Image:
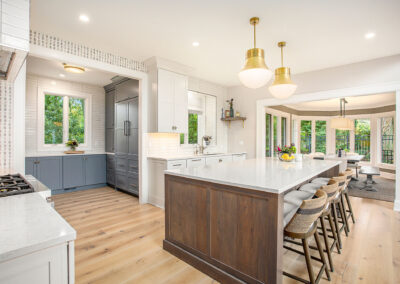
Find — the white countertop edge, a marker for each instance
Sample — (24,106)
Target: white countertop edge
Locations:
(188,156)
(258,188)
(58,154)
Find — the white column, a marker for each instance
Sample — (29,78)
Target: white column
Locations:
(352,139)
(278,131)
(397,150)
(313,140)
(375,141)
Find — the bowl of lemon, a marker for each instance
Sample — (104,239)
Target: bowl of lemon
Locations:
(286,157)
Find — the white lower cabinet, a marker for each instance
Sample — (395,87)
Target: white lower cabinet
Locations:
(50,265)
(157,167)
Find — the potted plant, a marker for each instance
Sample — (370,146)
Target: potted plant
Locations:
(286,153)
(72,144)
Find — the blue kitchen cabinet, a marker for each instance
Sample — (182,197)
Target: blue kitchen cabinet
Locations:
(47,170)
(95,169)
(73,171)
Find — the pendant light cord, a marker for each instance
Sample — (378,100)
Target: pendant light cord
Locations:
(282,56)
(255,35)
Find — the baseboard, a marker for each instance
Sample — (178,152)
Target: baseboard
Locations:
(396,205)
(388,175)
(66,190)
(156,201)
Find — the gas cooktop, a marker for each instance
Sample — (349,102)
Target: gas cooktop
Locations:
(14,184)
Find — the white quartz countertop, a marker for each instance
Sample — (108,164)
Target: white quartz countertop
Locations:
(28,223)
(53,154)
(171,157)
(264,174)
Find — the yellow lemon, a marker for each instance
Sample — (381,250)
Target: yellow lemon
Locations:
(285,156)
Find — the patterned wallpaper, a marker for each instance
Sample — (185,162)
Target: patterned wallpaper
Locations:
(6,125)
(55,43)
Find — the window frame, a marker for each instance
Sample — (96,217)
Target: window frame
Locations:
(41,112)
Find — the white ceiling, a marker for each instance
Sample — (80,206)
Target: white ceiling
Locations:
(53,69)
(319,34)
(361,102)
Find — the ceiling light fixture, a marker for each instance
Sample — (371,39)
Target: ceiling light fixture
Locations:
(369,35)
(342,122)
(283,86)
(61,75)
(255,72)
(196,43)
(84,18)
(73,69)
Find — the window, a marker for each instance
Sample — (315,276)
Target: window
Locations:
(53,119)
(283,131)
(342,139)
(268,135)
(275,129)
(63,118)
(193,128)
(387,140)
(320,136)
(362,138)
(305,136)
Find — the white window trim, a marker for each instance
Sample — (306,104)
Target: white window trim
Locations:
(42,147)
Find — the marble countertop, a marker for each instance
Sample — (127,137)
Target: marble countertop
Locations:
(28,223)
(53,154)
(172,157)
(264,174)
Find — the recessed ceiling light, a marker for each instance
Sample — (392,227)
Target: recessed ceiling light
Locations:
(53,83)
(62,75)
(84,18)
(195,43)
(73,69)
(369,35)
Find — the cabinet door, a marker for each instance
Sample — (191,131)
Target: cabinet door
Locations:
(121,118)
(180,104)
(110,109)
(49,171)
(73,171)
(30,166)
(219,159)
(95,169)
(166,90)
(110,140)
(197,162)
(126,90)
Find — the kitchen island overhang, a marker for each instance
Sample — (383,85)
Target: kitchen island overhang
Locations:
(226,219)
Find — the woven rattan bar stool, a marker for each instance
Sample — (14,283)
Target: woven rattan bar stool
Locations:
(303,226)
(337,207)
(348,173)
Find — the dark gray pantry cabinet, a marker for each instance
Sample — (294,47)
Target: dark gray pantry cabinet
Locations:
(61,173)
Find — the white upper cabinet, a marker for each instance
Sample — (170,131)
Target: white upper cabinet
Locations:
(172,102)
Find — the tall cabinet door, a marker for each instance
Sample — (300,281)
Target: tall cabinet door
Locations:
(166,89)
(121,118)
(133,126)
(180,104)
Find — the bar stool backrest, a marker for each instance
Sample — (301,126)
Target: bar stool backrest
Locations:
(307,214)
(341,179)
(348,173)
(331,189)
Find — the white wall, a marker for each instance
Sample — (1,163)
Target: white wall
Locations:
(31,114)
(383,70)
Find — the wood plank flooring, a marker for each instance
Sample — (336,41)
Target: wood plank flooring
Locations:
(120,241)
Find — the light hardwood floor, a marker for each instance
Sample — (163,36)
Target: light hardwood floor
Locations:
(120,241)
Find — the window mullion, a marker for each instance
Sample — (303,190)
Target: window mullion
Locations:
(66,119)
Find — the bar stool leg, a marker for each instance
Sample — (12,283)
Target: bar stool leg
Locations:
(346,194)
(321,253)
(308,261)
(343,216)
(327,247)
(335,238)
(335,218)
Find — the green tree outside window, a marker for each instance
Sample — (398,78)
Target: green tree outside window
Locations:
(53,119)
(77,120)
(193,128)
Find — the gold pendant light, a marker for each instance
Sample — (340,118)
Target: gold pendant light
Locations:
(342,122)
(255,72)
(283,86)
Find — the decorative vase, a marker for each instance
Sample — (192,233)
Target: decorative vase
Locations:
(290,158)
(231,112)
(72,148)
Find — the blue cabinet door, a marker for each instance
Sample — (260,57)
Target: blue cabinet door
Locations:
(49,172)
(95,169)
(73,171)
(30,166)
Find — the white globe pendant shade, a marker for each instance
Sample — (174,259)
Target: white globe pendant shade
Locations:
(282,91)
(342,123)
(255,78)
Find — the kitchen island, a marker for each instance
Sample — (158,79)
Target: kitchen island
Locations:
(226,219)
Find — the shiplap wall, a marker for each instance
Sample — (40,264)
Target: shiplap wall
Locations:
(31,122)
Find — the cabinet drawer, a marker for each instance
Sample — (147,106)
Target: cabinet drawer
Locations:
(121,164)
(219,159)
(238,157)
(133,183)
(110,162)
(178,164)
(121,180)
(197,162)
(133,166)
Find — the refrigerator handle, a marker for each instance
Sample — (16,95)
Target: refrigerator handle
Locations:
(125,128)
(128,128)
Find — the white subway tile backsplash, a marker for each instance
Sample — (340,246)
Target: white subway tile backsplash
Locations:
(6,125)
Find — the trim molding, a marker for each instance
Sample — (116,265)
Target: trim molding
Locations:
(396,205)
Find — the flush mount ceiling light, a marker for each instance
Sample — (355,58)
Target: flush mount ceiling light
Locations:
(342,122)
(196,43)
(73,69)
(84,18)
(283,86)
(61,75)
(369,35)
(255,72)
